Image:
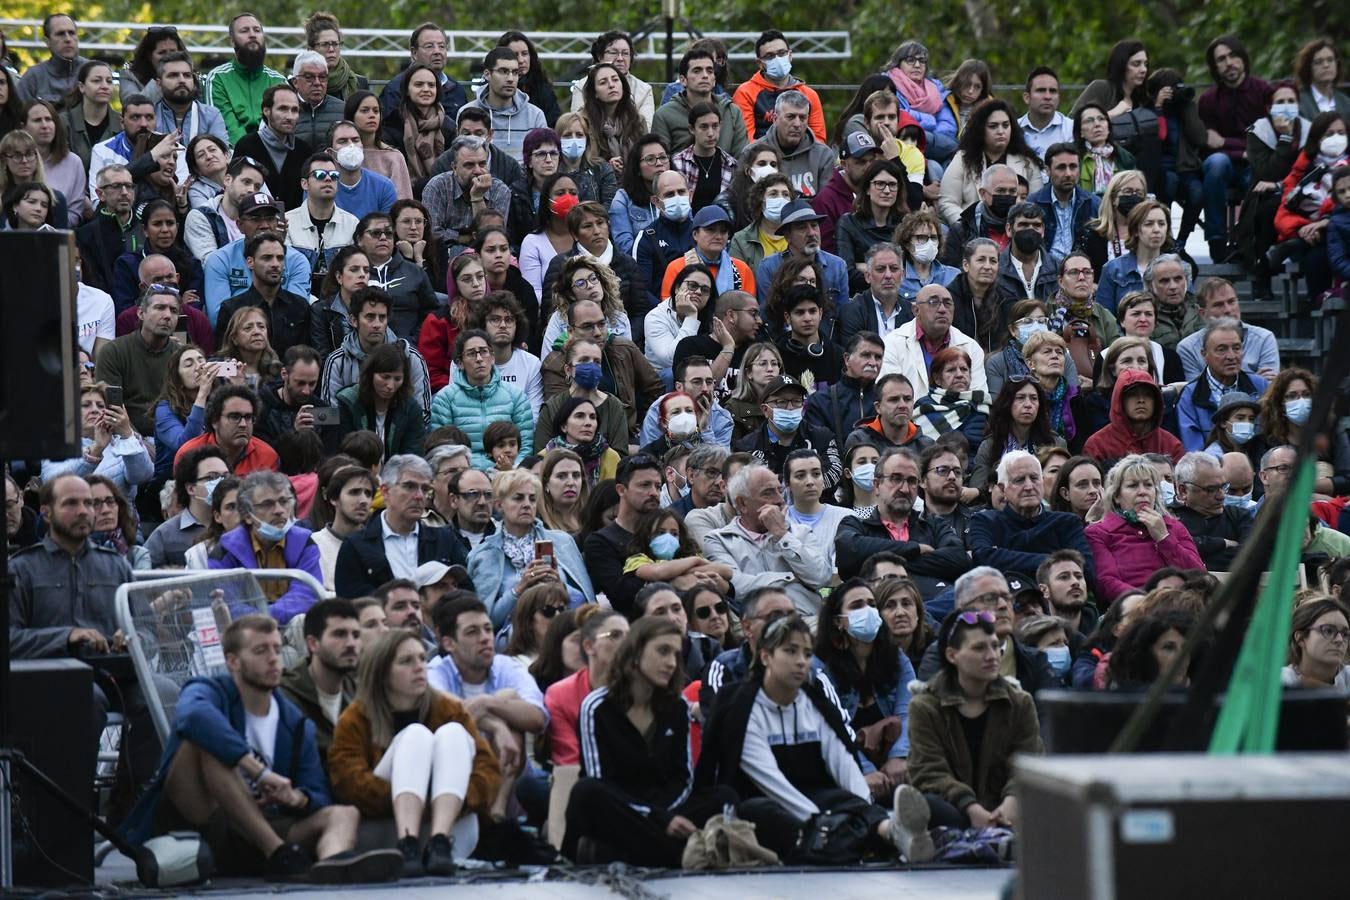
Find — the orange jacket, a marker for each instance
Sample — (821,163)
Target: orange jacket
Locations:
(755,100)
(353,757)
(677,264)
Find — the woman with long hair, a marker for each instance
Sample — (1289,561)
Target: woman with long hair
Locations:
(607,103)
(1123,88)
(382,402)
(1102,156)
(208,158)
(535,610)
(566,491)
(21,163)
(635,750)
(594,176)
(330,318)
(1104,238)
(138,74)
(632,209)
(29,206)
(709,616)
(542,159)
(414,238)
(857,487)
(686,312)
(180,412)
(601,631)
(362,109)
(114,526)
(764,205)
(901,605)
(493,246)
(1019,419)
(90,118)
(992,135)
(761,364)
(576,427)
(967,87)
(1146,648)
(601,509)
(63,169)
(1150,235)
(662,551)
(441,329)
(879,208)
(418,125)
(1318,637)
(1077,488)
(757,161)
(1308,199)
(534,81)
(870,673)
(246,339)
(224,500)
(1136,536)
(404,749)
(558,194)
(162,228)
(969,786)
(1285,409)
(11,101)
(323,35)
(584,277)
(560,654)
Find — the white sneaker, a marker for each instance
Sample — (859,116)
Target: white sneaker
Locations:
(909,825)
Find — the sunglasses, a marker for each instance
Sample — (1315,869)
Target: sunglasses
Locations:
(706,612)
(975,617)
(549,612)
(324,175)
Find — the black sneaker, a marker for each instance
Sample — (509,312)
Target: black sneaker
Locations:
(412,857)
(507,842)
(353,867)
(287,863)
(438,858)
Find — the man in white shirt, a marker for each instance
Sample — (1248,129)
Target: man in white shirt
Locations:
(909,347)
(349,493)
(1043,124)
(95,314)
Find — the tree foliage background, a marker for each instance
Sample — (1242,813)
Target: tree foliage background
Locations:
(1013,36)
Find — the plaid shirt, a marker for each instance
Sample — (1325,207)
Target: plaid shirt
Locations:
(683,162)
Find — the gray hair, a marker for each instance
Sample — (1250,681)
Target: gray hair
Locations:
(267,480)
(110,167)
(1164,259)
(307,58)
(975,244)
(466,141)
(987,177)
(903,452)
(1013,456)
(887,247)
(396,465)
(446,452)
(1224,324)
(965,585)
(738,488)
(707,456)
(794,99)
(1191,464)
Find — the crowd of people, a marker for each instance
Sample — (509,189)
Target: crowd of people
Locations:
(624,420)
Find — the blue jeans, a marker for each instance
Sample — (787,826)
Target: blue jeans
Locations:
(1220,174)
(940,147)
(1188,190)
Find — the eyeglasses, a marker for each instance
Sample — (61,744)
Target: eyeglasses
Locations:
(895,480)
(501,320)
(326,45)
(504,72)
(720,608)
(112,501)
(271,504)
(474,496)
(1282,468)
(938,303)
(117,186)
(477,352)
(886,187)
(945,471)
(1213,490)
(313,76)
(991,599)
(1078,273)
(711,472)
(693,287)
(324,175)
(549,612)
(590,280)
(619,54)
(238,418)
(653,159)
(26,156)
(598,325)
(1330,632)
(916,60)
(378,233)
(920,239)
(1033,320)
(786,404)
(546,154)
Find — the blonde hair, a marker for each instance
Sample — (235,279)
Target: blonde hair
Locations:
(566,120)
(372,685)
(514,480)
(1039,340)
(1136,465)
(1105,224)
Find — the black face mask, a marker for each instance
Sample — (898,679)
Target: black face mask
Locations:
(1127,203)
(1026,241)
(1001,204)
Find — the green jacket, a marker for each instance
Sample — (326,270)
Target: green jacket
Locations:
(746,246)
(1173,324)
(298,686)
(404,427)
(237,92)
(671,123)
(939,759)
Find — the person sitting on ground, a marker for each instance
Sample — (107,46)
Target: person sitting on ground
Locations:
(408,750)
(601,632)
(636,800)
(321,684)
(234,735)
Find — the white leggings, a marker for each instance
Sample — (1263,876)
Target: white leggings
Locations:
(417,758)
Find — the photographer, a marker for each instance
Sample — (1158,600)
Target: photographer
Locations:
(1183,147)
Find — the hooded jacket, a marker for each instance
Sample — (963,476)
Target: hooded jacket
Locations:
(809,165)
(671,124)
(1126,555)
(474,407)
(1118,439)
(512,122)
(342,369)
(755,99)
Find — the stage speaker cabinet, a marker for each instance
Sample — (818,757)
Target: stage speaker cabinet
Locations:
(1182,826)
(51,705)
(39,400)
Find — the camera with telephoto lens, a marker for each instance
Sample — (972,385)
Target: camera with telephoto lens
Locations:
(1183,93)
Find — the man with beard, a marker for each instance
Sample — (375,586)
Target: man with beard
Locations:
(236,87)
(288,404)
(394,543)
(1063,582)
(852,398)
(934,554)
(471,491)
(234,736)
(230,414)
(799,225)
(215,224)
(179,110)
(350,493)
(275,144)
(226,272)
(317,227)
(195,478)
(638,483)
(943,475)
(287,313)
(323,684)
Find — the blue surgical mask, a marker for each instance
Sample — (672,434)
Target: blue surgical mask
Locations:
(865,476)
(773,208)
(273,534)
(1241,432)
(1168,492)
(1241,501)
(209,486)
(1284,111)
(1026,331)
(1058,657)
(664,546)
(573,148)
(864,623)
(778,68)
(787,420)
(587,375)
(1298,410)
(676,208)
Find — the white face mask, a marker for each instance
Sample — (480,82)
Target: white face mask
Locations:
(925,252)
(351,157)
(682,425)
(759,170)
(1333,145)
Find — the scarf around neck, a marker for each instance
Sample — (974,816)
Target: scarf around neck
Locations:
(342,81)
(1105,168)
(922,95)
(590,453)
(423,140)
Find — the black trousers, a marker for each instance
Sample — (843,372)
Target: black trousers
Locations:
(780,830)
(599,810)
(942,814)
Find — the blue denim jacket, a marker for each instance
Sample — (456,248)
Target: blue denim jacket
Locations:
(494,577)
(894,702)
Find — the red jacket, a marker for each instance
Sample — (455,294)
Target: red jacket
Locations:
(436,343)
(1118,440)
(1126,555)
(1289,221)
(563,702)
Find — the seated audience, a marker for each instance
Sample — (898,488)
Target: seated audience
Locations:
(601,633)
(382,402)
(1318,637)
(1136,425)
(1019,419)
(661,551)
(323,684)
(952,404)
(1217,527)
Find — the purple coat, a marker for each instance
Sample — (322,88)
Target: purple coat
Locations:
(235,551)
(1125,555)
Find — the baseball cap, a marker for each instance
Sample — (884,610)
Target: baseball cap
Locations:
(779,385)
(858,143)
(259,200)
(711,215)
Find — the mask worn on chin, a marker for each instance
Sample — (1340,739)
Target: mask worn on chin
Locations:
(773,208)
(787,420)
(863,624)
(1026,241)
(865,476)
(925,252)
(1298,410)
(682,425)
(561,206)
(1000,205)
(1333,145)
(1127,203)
(573,148)
(1058,658)
(759,172)
(1241,432)
(351,157)
(778,68)
(273,533)
(587,375)
(676,208)
(664,546)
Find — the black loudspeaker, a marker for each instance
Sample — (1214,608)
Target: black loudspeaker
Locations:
(51,704)
(39,400)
